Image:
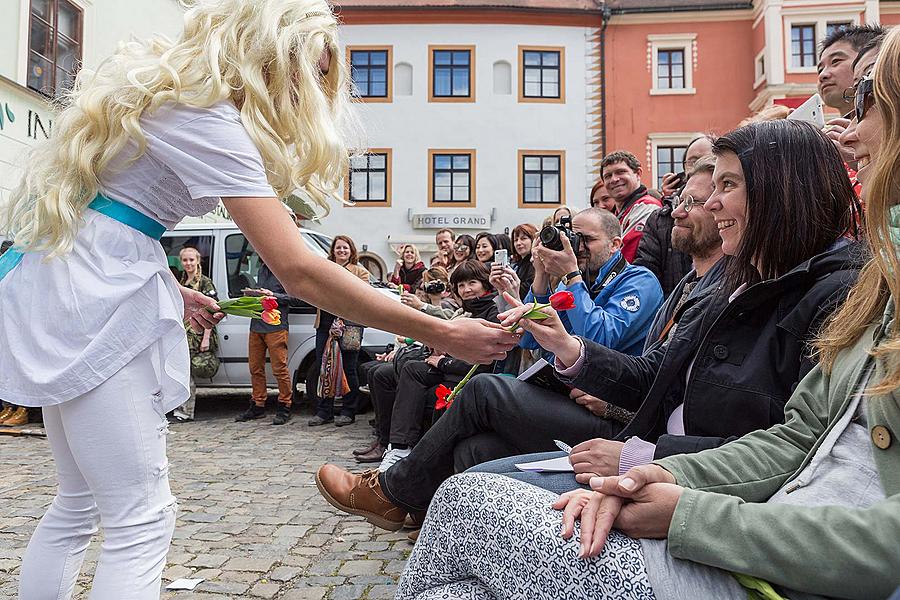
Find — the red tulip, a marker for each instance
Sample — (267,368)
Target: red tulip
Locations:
(269,303)
(271,317)
(563,300)
(442,392)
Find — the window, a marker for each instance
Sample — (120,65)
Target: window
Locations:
(369,180)
(670,70)
(832,27)
(803,45)
(54,45)
(242,266)
(174,244)
(370,68)
(451,176)
(541,178)
(541,74)
(669,159)
(759,68)
(670,62)
(451,74)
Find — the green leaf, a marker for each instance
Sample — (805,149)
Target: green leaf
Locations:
(757,589)
(536,315)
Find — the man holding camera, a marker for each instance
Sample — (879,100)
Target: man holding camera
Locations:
(615,302)
(622,175)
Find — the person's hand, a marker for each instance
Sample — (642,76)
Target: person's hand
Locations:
(265,292)
(204,346)
(648,509)
(504,279)
(833,130)
(597,513)
(670,184)
(633,481)
(434,360)
(595,457)
(475,340)
(592,403)
(195,313)
(386,356)
(549,333)
(557,262)
(411,300)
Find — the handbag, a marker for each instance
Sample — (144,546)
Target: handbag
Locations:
(351,340)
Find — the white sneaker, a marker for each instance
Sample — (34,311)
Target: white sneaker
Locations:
(392,456)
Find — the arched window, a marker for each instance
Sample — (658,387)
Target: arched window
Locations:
(502,78)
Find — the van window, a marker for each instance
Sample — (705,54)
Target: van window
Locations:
(173,245)
(241,264)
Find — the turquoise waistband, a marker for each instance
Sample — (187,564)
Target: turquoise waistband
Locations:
(106,206)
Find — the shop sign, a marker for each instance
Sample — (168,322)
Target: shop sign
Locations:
(452,220)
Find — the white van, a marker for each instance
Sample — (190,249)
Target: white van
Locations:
(232,263)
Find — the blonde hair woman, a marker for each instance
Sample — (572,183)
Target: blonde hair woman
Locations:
(408,268)
(247,105)
(201,346)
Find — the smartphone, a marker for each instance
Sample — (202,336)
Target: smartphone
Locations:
(501,257)
(811,111)
(679,179)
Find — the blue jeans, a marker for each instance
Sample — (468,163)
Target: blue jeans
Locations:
(558,483)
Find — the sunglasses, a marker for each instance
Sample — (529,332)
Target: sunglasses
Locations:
(861,96)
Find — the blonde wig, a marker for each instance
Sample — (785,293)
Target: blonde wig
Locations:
(879,280)
(263,55)
(192,281)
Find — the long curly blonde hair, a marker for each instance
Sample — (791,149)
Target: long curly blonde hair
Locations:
(263,55)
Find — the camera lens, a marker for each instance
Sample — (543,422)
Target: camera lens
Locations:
(550,238)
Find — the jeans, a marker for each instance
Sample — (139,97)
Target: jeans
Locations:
(493,417)
(558,483)
(383,389)
(277,345)
(350,359)
(109,446)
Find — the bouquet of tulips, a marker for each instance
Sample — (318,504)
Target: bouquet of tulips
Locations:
(255,307)
(560,301)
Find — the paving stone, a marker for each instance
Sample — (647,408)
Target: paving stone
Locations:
(223,587)
(382,592)
(265,590)
(176,572)
(284,573)
(207,561)
(361,567)
(306,593)
(259,565)
(348,592)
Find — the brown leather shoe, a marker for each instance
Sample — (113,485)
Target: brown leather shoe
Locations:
(361,451)
(359,494)
(373,456)
(7,410)
(19,417)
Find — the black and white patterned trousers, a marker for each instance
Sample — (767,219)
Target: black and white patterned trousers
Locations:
(491,537)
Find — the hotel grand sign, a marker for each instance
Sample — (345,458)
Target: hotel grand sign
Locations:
(451,220)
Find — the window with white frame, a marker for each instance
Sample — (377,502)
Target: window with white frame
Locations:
(759,68)
(805,30)
(671,63)
(666,153)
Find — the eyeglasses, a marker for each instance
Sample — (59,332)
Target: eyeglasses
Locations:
(861,96)
(689,202)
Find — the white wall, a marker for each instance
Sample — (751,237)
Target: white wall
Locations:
(497,126)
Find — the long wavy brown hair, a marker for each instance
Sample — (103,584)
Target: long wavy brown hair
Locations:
(879,280)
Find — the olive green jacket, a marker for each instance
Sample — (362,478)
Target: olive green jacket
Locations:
(723,521)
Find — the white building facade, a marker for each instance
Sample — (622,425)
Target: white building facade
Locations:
(41,41)
(475,126)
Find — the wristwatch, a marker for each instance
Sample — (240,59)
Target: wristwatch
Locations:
(570,276)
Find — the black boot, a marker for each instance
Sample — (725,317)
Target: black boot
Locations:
(253,412)
(282,414)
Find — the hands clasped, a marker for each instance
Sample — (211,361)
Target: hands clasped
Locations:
(640,504)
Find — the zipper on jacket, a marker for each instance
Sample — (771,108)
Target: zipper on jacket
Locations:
(794,487)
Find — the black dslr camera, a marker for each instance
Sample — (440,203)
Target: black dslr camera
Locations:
(551,236)
(435,286)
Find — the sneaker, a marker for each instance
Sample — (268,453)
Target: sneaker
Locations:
(393,456)
(282,415)
(365,389)
(341,420)
(252,413)
(317,420)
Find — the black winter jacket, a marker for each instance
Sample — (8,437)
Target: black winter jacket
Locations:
(656,253)
(748,356)
(485,308)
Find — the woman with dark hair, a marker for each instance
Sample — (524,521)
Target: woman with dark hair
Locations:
(485,246)
(523,237)
(463,250)
(470,283)
(343,252)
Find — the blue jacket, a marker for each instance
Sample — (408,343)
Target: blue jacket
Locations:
(621,314)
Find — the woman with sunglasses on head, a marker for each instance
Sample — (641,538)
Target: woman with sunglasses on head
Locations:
(463,250)
(811,505)
(245,106)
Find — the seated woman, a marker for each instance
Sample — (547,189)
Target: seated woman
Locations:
(408,269)
(811,505)
(400,414)
(732,356)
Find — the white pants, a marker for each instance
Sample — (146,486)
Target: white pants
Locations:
(109,446)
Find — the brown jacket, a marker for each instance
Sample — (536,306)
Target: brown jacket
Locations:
(358,270)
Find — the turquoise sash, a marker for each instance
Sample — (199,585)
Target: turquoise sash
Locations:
(112,209)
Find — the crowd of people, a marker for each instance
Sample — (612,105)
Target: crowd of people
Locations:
(713,410)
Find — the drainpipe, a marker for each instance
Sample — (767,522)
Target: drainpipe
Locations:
(605,16)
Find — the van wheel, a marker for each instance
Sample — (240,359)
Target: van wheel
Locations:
(297,397)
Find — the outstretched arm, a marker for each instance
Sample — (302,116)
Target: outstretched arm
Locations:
(326,285)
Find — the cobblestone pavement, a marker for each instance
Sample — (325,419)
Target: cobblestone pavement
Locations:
(251,522)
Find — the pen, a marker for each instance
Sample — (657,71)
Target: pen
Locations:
(563,446)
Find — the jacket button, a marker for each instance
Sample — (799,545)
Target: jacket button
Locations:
(881,437)
(720,352)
